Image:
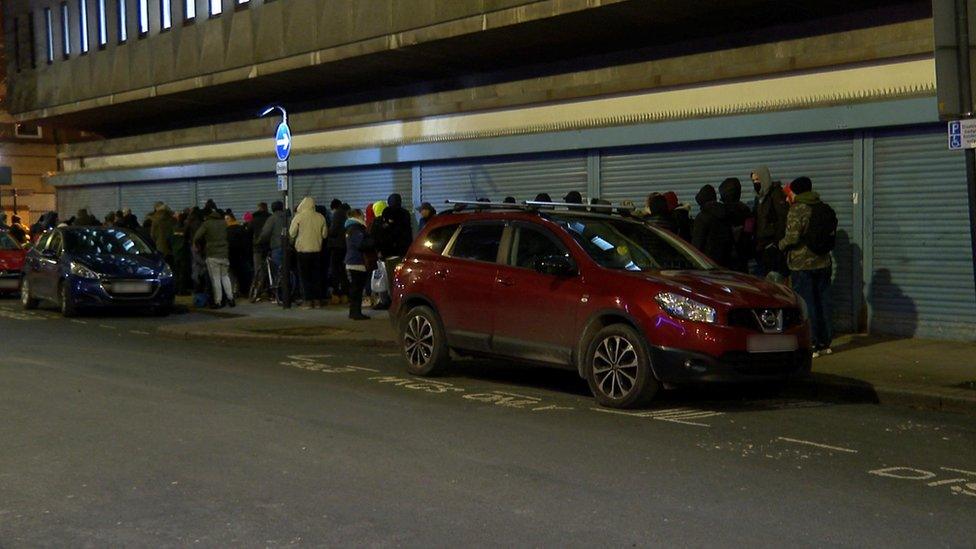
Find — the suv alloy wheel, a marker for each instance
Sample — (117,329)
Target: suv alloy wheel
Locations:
(618,368)
(424,345)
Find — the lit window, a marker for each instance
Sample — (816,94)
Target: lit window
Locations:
(102,30)
(123,32)
(65,34)
(165,14)
(49,37)
(190,9)
(83,24)
(215,8)
(143,6)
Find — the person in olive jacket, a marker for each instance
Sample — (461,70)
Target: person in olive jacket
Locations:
(770,211)
(212,237)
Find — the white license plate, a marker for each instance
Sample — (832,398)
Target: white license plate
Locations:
(9,284)
(131,288)
(767,343)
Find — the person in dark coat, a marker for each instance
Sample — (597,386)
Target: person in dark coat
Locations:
(85,219)
(259,250)
(680,214)
(739,216)
(397,229)
(239,244)
(335,243)
(426,211)
(712,231)
(770,211)
(356,262)
(658,213)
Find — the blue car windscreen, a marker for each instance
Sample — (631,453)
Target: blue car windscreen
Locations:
(106,242)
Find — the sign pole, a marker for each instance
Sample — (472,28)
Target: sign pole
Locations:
(283,151)
(966,102)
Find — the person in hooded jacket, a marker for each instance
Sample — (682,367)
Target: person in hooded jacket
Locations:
(240,243)
(212,237)
(680,214)
(356,262)
(335,243)
(308,230)
(397,227)
(271,237)
(161,229)
(259,251)
(810,272)
(730,190)
(657,213)
(770,212)
(712,230)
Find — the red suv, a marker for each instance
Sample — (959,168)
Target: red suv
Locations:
(627,305)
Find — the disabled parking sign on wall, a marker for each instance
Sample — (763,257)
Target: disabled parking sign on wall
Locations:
(962,134)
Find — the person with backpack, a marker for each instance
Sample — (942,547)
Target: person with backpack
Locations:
(811,234)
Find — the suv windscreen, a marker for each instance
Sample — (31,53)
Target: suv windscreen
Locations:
(627,245)
(105,241)
(478,242)
(7,243)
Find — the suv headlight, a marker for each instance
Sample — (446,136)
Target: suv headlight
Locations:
(685,308)
(78,269)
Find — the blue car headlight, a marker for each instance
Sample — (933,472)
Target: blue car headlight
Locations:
(685,308)
(166,272)
(78,269)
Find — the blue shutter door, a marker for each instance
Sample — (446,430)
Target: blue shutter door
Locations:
(632,174)
(497,178)
(354,187)
(922,273)
(99,200)
(141,197)
(241,193)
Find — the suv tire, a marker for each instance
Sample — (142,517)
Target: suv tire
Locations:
(423,342)
(618,368)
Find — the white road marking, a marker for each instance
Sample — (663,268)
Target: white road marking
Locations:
(76,321)
(947,481)
(818,445)
(387,355)
(672,415)
(963,471)
(139,332)
(107,327)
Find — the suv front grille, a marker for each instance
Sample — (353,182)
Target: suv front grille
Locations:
(748,318)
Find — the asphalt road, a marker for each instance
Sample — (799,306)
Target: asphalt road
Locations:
(112,435)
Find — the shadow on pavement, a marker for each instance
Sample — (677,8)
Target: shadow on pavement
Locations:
(819,390)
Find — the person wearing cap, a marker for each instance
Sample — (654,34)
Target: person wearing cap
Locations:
(543,197)
(574,197)
(427,211)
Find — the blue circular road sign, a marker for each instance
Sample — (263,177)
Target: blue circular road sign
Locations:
(283,142)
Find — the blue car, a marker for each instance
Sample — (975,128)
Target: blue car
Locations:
(86,268)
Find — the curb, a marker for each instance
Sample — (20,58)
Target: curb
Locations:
(861,391)
(179,332)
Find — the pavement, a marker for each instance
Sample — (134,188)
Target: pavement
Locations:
(114,435)
(938,375)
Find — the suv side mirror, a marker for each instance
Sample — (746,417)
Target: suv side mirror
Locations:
(557,265)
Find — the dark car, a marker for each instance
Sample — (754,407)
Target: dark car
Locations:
(82,268)
(629,306)
(11,264)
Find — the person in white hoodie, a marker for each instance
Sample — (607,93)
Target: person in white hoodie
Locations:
(308,230)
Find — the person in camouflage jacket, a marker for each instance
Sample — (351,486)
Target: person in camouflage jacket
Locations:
(810,273)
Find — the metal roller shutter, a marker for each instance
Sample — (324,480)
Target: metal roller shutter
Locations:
(99,200)
(829,162)
(240,193)
(354,187)
(496,179)
(141,197)
(922,271)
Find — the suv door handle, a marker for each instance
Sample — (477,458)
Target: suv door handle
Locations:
(504,281)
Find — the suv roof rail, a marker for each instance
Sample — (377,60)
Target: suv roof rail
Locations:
(534,205)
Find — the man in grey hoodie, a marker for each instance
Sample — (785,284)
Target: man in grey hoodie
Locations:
(770,211)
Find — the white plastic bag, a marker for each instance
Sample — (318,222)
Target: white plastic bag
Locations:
(380,281)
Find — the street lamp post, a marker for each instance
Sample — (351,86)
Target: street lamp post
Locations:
(283,149)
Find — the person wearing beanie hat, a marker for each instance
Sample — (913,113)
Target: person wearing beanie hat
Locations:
(712,231)
(730,191)
(811,228)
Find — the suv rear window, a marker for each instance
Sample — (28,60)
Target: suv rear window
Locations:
(478,242)
(437,239)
